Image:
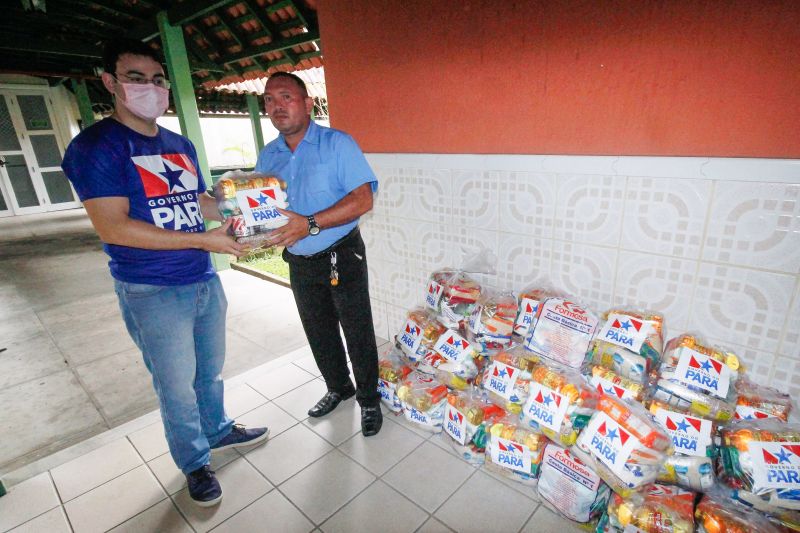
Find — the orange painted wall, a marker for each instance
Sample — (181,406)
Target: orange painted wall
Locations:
(636,77)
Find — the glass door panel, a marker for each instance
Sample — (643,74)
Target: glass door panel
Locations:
(58,187)
(21,181)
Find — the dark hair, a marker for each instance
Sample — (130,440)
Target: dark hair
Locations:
(118,47)
(295,78)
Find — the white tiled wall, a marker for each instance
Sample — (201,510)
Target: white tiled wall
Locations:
(712,243)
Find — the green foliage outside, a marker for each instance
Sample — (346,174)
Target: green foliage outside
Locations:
(269,261)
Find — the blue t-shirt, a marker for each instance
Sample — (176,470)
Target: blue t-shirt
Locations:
(325,167)
(160,178)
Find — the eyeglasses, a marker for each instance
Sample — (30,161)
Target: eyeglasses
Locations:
(158,81)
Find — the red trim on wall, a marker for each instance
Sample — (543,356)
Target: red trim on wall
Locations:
(630,77)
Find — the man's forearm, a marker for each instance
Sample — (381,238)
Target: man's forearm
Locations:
(349,208)
(138,234)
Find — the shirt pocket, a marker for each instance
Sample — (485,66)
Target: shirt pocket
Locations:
(320,181)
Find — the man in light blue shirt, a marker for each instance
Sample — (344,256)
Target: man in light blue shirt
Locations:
(329,186)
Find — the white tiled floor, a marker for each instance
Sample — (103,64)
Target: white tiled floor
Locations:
(311,475)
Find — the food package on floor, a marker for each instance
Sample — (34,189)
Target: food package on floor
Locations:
(434,290)
(465,419)
(607,381)
(691,400)
(788,519)
(454,359)
(692,465)
(514,450)
(423,400)
(762,457)
(629,342)
(491,324)
(758,401)
(693,362)
(250,199)
(569,487)
(506,378)
(562,332)
(419,334)
(528,306)
(392,369)
(664,509)
(560,402)
(460,295)
(717,513)
(623,445)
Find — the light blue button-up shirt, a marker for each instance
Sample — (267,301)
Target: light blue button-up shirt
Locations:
(324,168)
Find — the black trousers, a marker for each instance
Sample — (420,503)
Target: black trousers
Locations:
(323,307)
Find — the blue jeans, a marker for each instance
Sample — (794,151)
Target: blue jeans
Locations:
(181,333)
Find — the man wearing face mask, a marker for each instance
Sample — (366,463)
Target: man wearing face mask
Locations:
(142,189)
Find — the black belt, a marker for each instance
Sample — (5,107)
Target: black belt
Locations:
(332,248)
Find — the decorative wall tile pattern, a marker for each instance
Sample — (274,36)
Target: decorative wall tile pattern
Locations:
(714,244)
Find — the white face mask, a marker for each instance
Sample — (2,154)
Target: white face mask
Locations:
(145,100)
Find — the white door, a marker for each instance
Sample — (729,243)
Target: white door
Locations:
(32,179)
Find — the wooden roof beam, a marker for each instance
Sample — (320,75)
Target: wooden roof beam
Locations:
(178,15)
(275,46)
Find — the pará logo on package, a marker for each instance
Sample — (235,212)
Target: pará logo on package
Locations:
(609,442)
(259,206)
(776,465)
(545,406)
(625,331)
(502,379)
(433,295)
(452,346)
(700,370)
(510,454)
(456,425)
(410,339)
(690,435)
(527,312)
(604,386)
(745,412)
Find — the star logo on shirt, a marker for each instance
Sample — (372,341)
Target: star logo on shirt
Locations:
(173,176)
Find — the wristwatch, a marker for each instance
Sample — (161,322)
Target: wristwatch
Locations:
(313,227)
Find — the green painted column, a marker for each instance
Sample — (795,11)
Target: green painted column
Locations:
(84,103)
(255,120)
(186,104)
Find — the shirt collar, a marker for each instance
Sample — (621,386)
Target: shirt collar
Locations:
(311,137)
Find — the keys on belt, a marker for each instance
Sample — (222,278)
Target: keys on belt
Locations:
(334,270)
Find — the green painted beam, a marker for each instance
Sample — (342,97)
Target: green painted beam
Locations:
(186,104)
(255,121)
(84,103)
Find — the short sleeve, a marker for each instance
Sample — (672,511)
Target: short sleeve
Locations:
(94,169)
(354,170)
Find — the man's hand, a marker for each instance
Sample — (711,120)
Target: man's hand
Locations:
(217,240)
(287,235)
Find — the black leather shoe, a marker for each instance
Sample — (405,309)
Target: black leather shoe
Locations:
(371,420)
(328,403)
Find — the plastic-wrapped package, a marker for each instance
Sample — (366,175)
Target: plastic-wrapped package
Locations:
(562,332)
(454,359)
(623,445)
(419,334)
(423,400)
(560,402)
(762,457)
(717,513)
(692,465)
(528,306)
(465,419)
(606,381)
(391,370)
(507,376)
(569,487)
(664,510)
(491,324)
(435,288)
(514,450)
(692,401)
(250,200)
(758,401)
(692,362)
(460,295)
(629,342)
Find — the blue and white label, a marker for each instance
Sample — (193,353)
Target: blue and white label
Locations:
(455,424)
(625,331)
(745,412)
(452,346)
(700,370)
(690,435)
(776,465)
(609,442)
(388,396)
(510,454)
(605,386)
(526,315)
(546,407)
(410,339)
(433,295)
(259,206)
(501,379)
